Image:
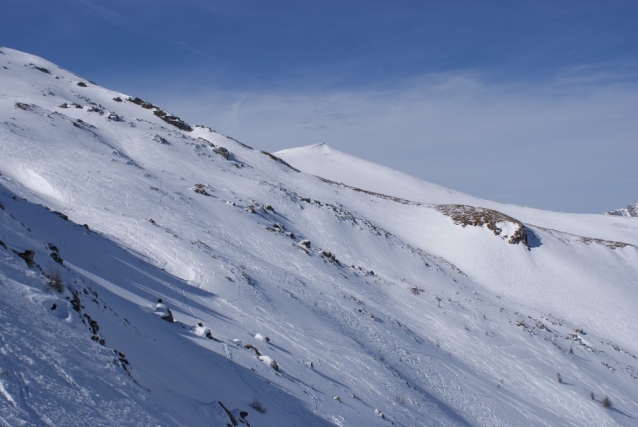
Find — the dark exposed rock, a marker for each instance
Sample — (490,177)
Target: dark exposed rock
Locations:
(279,160)
(519,236)
(98,110)
(28,256)
(124,363)
(222,152)
(61,215)
(169,317)
(201,189)
(82,84)
(305,243)
(629,211)
(95,328)
(168,118)
(477,217)
(24,107)
(141,103)
(173,120)
(372,193)
(161,140)
(253,348)
(231,417)
(240,143)
(42,69)
(330,257)
(75,302)
(57,258)
(609,244)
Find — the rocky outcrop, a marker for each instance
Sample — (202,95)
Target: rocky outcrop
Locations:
(168,118)
(630,211)
(222,152)
(28,257)
(478,217)
(279,160)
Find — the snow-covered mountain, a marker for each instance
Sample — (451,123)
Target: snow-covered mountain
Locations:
(359,297)
(629,211)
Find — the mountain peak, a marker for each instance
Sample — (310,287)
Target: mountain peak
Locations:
(154,273)
(631,211)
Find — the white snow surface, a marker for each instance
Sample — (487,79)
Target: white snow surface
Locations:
(398,305)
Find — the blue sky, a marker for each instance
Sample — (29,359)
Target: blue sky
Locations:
(526,102)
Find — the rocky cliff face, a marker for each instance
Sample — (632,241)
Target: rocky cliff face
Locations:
(500,224)
(629,211)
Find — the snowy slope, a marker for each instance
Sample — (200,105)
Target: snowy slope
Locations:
(327,162)
(548,275)
(377,310)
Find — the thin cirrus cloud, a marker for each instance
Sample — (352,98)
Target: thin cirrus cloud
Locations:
(117,19)
(573,137)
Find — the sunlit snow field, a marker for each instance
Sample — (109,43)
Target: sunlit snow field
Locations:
(350,300)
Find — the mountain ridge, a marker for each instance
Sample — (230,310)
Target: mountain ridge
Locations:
(327,305)
(630,211)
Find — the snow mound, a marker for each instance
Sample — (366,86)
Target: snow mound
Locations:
(327,162)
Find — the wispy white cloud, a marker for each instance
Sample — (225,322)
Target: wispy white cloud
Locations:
(564,144)
(111,16)
(609,72)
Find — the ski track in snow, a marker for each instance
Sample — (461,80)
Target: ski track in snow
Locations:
(425,320)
